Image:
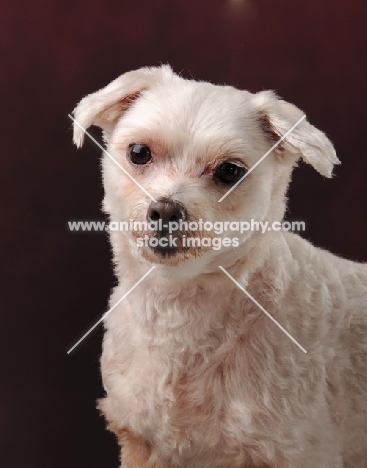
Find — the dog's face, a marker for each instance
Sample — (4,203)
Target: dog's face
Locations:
(185,144)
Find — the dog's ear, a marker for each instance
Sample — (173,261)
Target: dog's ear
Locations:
(104,107)
(276,117)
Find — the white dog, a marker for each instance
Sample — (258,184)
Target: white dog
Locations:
(196,374)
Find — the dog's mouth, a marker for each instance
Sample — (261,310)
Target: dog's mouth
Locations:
(167,247)
(167,252)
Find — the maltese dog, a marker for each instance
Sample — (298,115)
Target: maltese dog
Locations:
(227,346)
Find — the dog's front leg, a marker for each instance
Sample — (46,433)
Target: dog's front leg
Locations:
(136,452)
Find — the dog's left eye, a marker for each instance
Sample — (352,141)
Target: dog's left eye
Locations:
(229,173)
(139,154)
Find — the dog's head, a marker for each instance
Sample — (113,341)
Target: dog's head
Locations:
(176,147)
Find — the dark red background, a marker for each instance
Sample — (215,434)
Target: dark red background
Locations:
(56,283)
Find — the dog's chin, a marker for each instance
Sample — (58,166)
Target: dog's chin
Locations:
(171,257)
(181,266)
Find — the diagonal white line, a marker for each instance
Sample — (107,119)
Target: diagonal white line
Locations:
(111,157)
(109,311)
(262,308)
(261,159)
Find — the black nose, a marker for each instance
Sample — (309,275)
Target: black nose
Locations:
(166,210)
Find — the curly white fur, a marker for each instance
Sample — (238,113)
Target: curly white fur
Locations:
(196,376)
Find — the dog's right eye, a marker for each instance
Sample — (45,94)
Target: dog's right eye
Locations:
(139,154)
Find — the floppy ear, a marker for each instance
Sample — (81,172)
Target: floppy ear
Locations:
(276,117)
(104,107)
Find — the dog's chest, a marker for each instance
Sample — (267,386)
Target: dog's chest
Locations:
(184,403)
(159,388)
(189,390)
